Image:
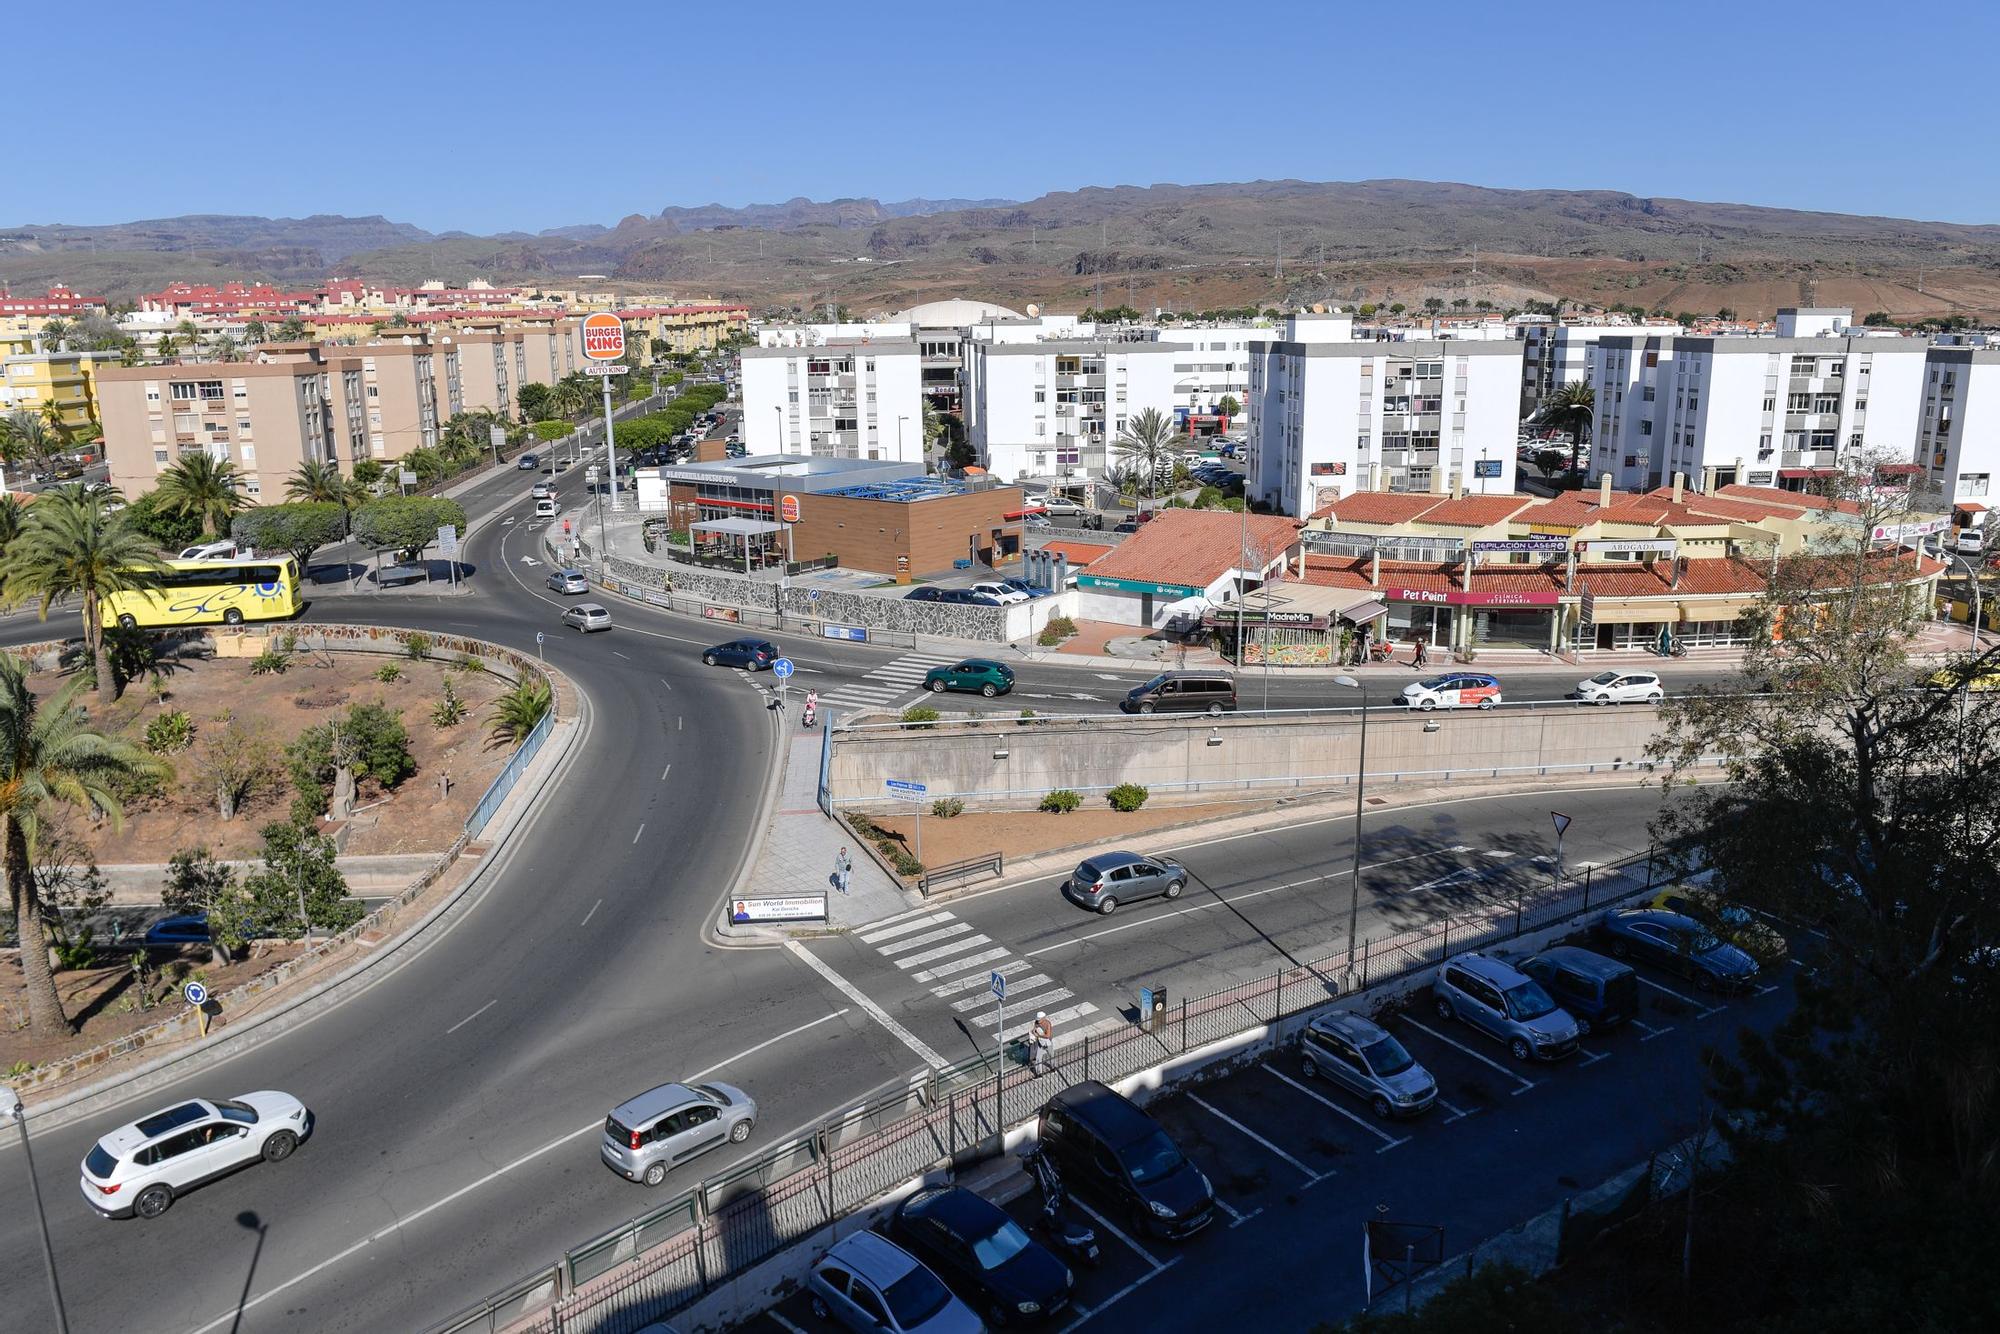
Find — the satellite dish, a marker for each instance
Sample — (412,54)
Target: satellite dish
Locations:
(1034,311)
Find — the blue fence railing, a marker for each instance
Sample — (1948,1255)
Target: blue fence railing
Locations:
(503,782)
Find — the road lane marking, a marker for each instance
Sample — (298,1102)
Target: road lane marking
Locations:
(780,1321)
(592,913)
(1087,1312)
(664,772)
(470,1017)
(973,1003)
(1311,1176)
(904,916)
(876,937)
(874,1011)
(972,980)
(1525,1084)
(615,653)
(1652,1032)
(1042,1001)
(1591,1057)
(641,829)
(1389,1141)
(595,1127)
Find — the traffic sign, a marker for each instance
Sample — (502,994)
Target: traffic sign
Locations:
(538,636)
(782,669)
(997,984)
(195,992)
(812,595)
(903,791)
(603,337)
(448,541)
(1562,822)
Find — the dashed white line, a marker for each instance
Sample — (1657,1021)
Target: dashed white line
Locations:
(592,913)
(640,830)
(470,1017)
(664,772)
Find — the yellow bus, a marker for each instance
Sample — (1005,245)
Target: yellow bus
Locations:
(192,592)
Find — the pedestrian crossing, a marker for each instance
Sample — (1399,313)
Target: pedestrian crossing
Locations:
(899,676)
(955,962)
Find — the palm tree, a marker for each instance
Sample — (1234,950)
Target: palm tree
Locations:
(58,424)
(319,480)
(224,347)
(73,544)
(190,334)
(255,332)
(11,514)
(165,346)
(204,487)
(290,329)
(49,757)
(25,438)
(1145,442)
(55,331)
(1572,408)
(516,712)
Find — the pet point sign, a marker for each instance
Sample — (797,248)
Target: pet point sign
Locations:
(603,337)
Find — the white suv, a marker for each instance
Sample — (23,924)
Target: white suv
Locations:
(998,591)
(140,1168)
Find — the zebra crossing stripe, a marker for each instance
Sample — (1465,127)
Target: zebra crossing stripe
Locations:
(914,924)
(1013,987)
(1036,1002)
(927,938)
(972,980)
(958,965)
(970,942)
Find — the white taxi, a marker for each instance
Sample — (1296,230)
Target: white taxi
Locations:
(1454,690)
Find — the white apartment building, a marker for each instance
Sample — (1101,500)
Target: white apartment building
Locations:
(842,397)
(1051,408)
(1331,414)
(1958,428)
(1555,354)
(1215,366)
(1766,411)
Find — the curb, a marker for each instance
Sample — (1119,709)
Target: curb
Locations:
(356,977)
(720,931)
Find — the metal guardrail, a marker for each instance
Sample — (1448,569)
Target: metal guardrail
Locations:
(503,782)
(665,1260)
(993,864)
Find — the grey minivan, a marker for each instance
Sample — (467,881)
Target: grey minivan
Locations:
(648,1136)
(1213,693)
(1505,1003)
(1365,1059)
(1104,881)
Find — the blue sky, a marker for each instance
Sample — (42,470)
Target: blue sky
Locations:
(501,115)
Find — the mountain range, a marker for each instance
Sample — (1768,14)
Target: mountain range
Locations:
(1176,246)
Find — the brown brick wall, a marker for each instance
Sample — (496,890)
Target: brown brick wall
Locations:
(871,534)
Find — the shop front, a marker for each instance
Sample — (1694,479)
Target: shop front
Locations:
(1475,618)
(1294,625)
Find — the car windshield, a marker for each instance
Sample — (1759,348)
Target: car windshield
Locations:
(713,1094)
(99,1163)
(1528,1001)
(241,1113)
(1604,678)
(1387,1057)
(1153,684)
(1006,1242)
(1701,942)
(1152,1158)
(916,1297)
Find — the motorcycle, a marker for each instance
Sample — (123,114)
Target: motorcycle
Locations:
(1068,1235)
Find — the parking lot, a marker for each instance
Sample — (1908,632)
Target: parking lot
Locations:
(1298,1165)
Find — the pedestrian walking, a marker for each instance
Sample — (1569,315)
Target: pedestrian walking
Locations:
(1041,1040)
(1419,658)
(843,870)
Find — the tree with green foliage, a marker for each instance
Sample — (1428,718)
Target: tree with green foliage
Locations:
(169,532)
(73,545)
(300,888)
(367,472)
(291,329)
(516,712)
(533,399)
(369,741)
(300,529)
(199,884)
(1573,408)
(1229,406)
(26,439)
(406,523)
(1549,462)
(50,759)
(1147,443)
(12,511)
(203,487)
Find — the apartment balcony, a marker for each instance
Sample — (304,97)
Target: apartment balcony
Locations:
(1081,380)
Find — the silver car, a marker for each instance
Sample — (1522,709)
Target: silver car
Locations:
(868,1283)
(650,1135)
(1502,1002)
(569,581)
(1104,881)
(587,616)
(1366,1060)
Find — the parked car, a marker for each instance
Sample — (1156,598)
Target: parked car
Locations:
(754,655)
(569,581)
(1621,688)
(1457,690)
(1032,590)
(925,593)
(528,462)
(1106,879)
(1680,944)
(141,1168)
(224,550)
(999,592)
(1734,923)
(983,675)
(869,1284)
(1106,1146)
(1037,521)
(181,929)
(587,616)
(1063,507)
(1598,993)
(1976,679)
(648,1136)
(1127,526)
(1504,1003)
(1213,693)
(983,1254)
(1366,1060)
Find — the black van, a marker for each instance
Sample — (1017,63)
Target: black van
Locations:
(1599,993)
(1183,692)
(1105,1146)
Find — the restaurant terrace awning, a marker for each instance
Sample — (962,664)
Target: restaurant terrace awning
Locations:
(1803,474)
(738,527)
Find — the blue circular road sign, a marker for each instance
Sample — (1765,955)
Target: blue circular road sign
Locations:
(195,992)
(782,668)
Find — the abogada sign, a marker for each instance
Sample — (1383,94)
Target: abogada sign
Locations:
(603,337)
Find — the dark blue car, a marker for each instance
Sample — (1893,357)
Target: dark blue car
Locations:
(987,1256)
(1679,944)
(188,929)
(755,655)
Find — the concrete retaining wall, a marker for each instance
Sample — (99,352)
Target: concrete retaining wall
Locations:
(1009,764)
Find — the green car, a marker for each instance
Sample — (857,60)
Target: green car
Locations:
(989,678)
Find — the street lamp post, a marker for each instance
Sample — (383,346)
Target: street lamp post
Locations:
(779,409)
(1972,577)
(1360,795)
(10,1103)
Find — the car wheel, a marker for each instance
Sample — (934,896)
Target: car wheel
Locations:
(1704,981)
(153,1201)
(279,1147)
(708,660)
(1655,698)
(1485,703)
(739,1132)
(1619,949)
(1582,1027)
(1174,888)
(1309,1067)
(127,621)
(232,617)
(1146,707)
(988,690)
(1444,1008)
(1381,1107)
(937,687)
(1107,906)
(1428,705)
(1601,700)
(654,1174)
(1520,1050)
(819,1310)
(1215,710)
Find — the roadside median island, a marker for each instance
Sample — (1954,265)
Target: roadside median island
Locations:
(1023,835)
(256,764)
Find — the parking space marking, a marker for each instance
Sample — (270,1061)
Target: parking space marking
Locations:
(1701,1012)
(914,924)
(894,948)
(1591,1057)
(1525,1083)
(1087,1312)
(1766,989)
(1112,1228)
(959,965)
(1388,1141)
(1651,1032)
(944,951)
(1457,1113)
(1311,1176)
(780,1320)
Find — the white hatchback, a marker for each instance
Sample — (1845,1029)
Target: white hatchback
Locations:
(139,1169)
(1621,688)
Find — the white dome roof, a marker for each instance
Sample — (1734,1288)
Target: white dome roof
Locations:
(955,313)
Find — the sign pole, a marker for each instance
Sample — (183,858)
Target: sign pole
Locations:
(611,474)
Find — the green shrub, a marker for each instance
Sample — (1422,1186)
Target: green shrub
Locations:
(170,733)
(1058,629)
(270,662)
(920,715)
(863,826)
(449,711)
(417,646)
(905,864)
(388,673)
(1127,797)
(469,665)
(1061,801)
(946,807)
(1027,717)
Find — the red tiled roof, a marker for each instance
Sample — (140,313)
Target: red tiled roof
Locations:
(1380,507)
(1804,500)
(1475,511)
(1076,553)
(1195,547)
(1705,577)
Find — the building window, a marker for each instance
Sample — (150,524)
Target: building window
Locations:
(159,458)
(1972,483)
